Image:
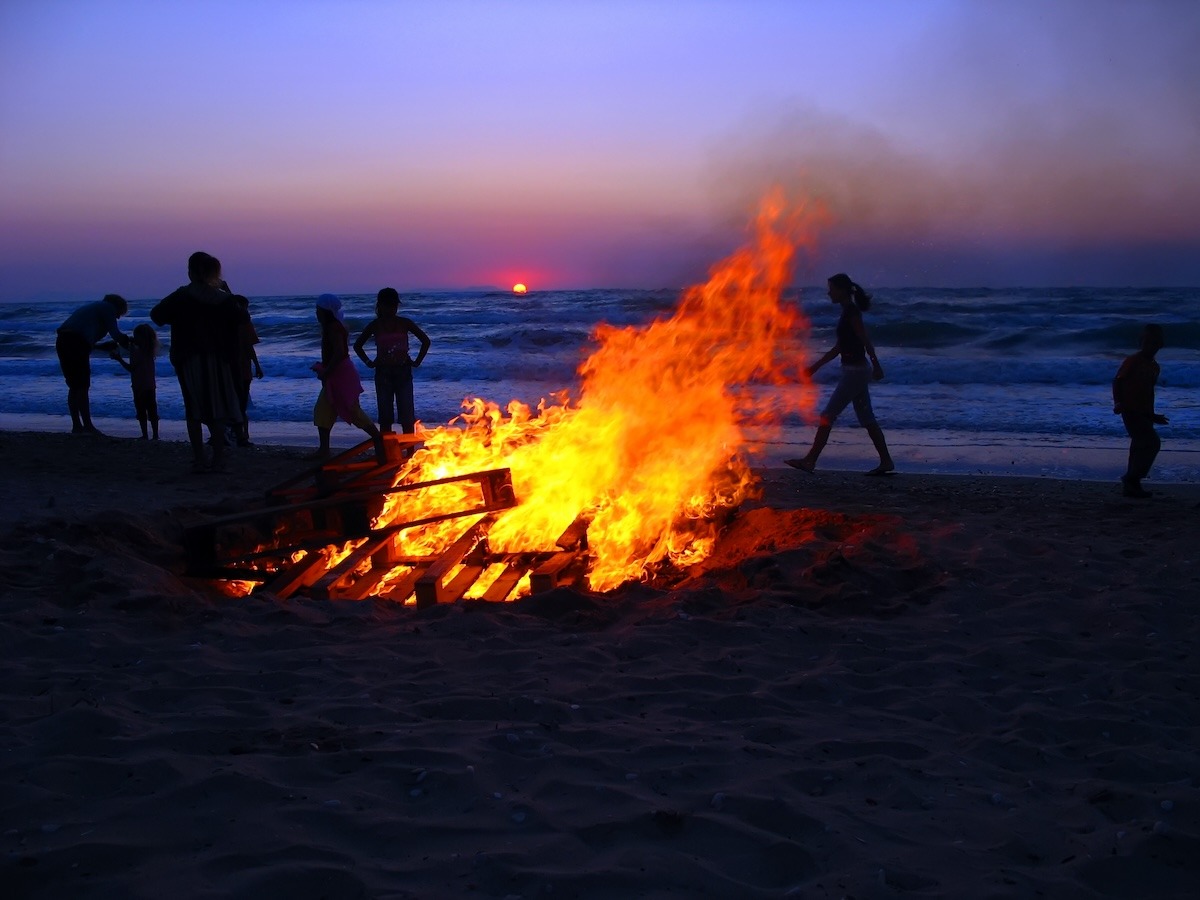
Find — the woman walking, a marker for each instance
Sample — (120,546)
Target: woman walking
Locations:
(855,349)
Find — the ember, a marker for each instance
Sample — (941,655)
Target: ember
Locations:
(630,479)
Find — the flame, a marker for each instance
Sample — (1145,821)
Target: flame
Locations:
(654,447)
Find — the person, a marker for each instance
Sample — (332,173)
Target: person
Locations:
(76,338)
(249,368)
(392,363)
(855,348)
(142,350)
(1133,401)
(204,319)
(340,384)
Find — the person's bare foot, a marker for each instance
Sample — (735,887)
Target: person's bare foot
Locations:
(887,468)
(804,465)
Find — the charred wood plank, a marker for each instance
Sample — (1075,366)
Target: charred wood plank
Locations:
(429,588)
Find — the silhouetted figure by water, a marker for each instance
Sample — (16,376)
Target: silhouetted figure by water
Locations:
(204,319)
(393,363)
(1133,401)
(142,351)
(855,348)
(74,342)
(340,384)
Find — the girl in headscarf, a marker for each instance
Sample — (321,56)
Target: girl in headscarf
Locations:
(340,384)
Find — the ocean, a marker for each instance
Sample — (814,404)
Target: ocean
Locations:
(995,381)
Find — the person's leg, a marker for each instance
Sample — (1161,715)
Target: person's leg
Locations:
(866,418)
(383,397)
(1144,444)
(152,411)
(363,421)
(849,384)
(406,413)
(323,418)
(72,359)
(142,412)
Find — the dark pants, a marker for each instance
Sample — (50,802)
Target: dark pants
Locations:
(74,358)
(394,394)
(1143,445)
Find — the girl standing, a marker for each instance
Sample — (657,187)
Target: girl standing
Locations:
(392,364)
(855,348)
(340,384)
(143,348)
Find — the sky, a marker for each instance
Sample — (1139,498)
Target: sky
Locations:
(344,145)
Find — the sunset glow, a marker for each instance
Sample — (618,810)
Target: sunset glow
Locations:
(969,143)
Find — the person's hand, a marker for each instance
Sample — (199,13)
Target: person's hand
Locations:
(258,373)
(809,371)
(876,370)
(113,354)
(370,363)
(1161,420)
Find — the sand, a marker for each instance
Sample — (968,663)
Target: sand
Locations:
(927,686)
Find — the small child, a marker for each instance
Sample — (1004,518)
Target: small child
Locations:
(392,364)
(142,350)
(340,384)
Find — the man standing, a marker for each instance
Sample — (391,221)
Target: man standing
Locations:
(1133,401)
(76,338)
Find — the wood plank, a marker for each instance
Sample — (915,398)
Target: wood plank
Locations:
(300,574)
(429,588)
(546,576)
(499,589)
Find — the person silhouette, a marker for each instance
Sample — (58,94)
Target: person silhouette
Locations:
(143,348)
(340,384)
(855,348)
(73,344)
(392,363)
(1133,401)
(204,319)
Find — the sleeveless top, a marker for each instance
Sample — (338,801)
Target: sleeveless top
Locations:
(392,346)
(850,345)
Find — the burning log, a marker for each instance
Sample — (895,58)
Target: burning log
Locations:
(323,533)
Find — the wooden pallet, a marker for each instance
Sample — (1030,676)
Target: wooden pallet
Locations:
(288,546)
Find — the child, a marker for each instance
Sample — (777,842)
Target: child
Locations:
(142,350)
(340,384)
(1133,401)
(392,364)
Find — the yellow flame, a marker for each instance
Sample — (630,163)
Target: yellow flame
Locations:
(655,444)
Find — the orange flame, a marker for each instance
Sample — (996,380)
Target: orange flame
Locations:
(655,445)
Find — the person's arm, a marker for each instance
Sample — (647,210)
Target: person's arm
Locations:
(258,372)
(115,354)
(421,336)
(361,343)
(1118,388)
(832,354)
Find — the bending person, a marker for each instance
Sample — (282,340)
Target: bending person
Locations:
(854,386)
(76,337)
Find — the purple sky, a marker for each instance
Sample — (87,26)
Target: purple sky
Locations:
(345,144)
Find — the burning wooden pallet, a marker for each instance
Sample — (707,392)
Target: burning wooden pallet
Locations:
(319,534)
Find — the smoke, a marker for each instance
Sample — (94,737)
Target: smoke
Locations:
(1073,125)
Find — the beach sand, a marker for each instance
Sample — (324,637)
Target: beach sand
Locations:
(927,686)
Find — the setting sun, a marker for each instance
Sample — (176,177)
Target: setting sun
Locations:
(519,288)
